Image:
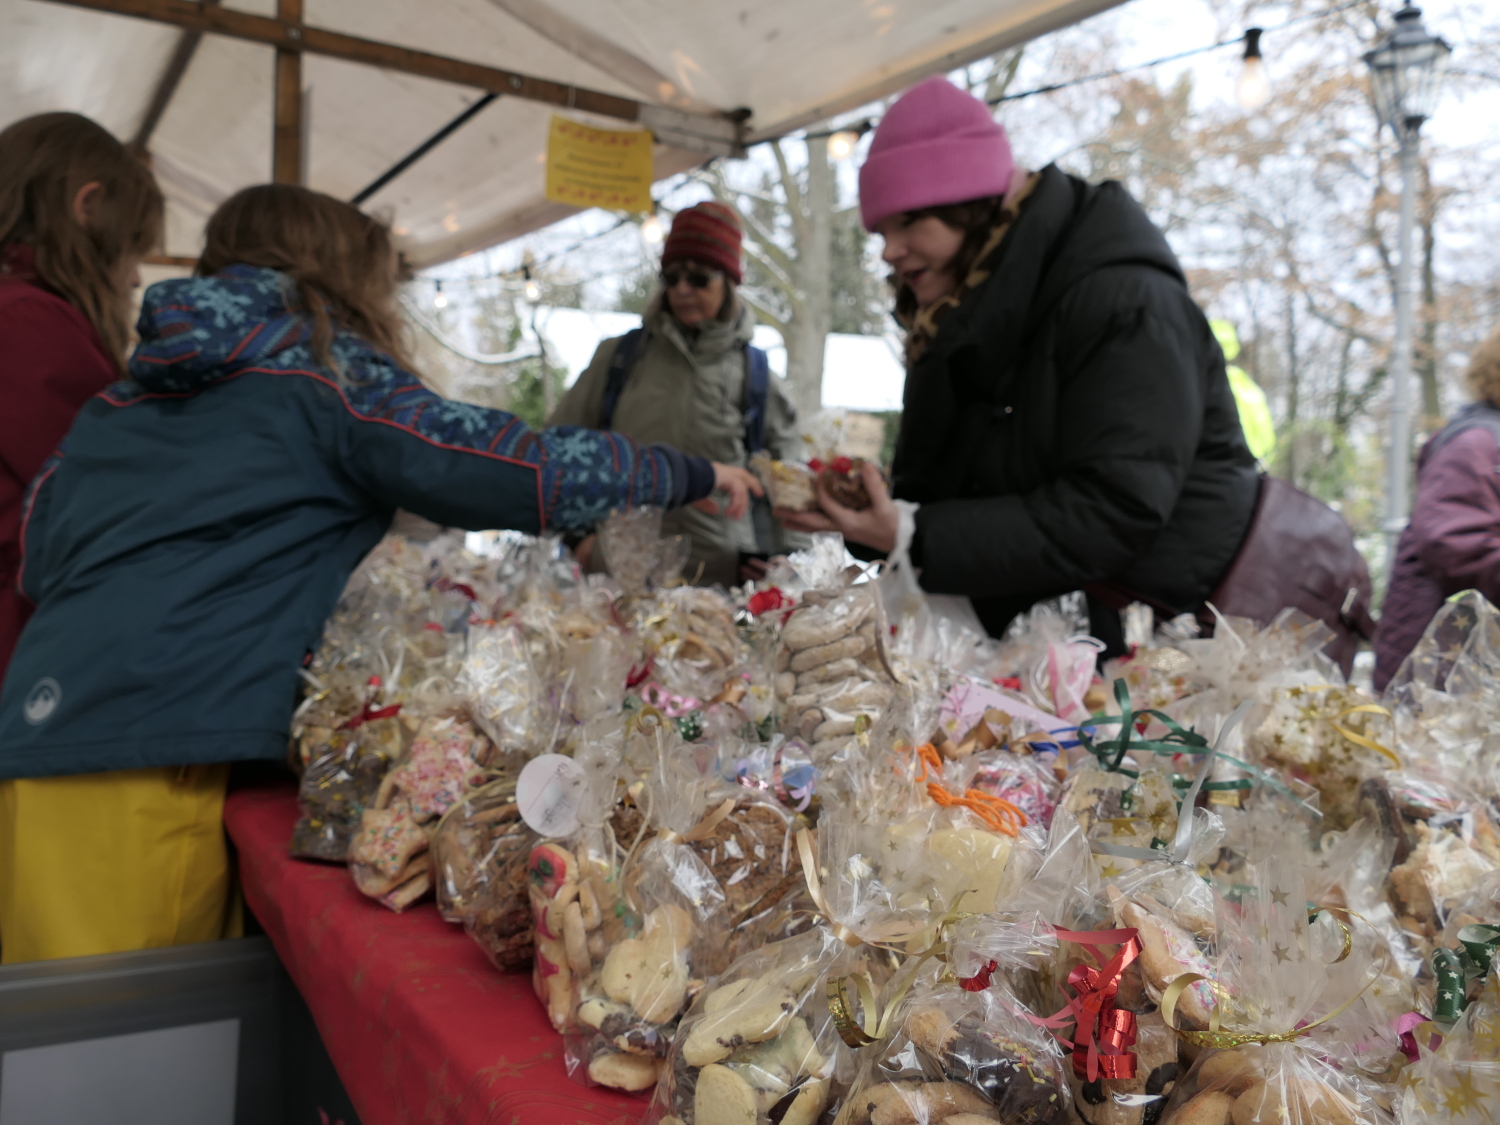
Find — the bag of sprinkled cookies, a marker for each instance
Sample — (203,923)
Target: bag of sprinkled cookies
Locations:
(388,853)
(760,1045)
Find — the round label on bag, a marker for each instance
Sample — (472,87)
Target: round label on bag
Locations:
(548,793)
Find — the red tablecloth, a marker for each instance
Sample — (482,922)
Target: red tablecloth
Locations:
(421,1028)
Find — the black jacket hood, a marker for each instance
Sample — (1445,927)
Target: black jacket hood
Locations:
(1105,227)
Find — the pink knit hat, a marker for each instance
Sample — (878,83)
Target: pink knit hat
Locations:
(935,145)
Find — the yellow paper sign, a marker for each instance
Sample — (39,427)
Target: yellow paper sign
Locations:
(590,167)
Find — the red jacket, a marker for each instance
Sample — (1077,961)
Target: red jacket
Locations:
(51,363)
(1452,542)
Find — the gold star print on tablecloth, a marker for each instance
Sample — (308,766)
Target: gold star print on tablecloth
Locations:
(1110,871)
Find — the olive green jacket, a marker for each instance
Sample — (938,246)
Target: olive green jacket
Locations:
(687,389)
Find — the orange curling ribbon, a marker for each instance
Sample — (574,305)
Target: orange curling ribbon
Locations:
(1102,1033)
(996,812)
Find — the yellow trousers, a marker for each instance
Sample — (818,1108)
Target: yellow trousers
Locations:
(112,862)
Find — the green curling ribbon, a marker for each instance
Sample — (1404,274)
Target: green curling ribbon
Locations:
(690,726)
(1456,968)
(1178,740)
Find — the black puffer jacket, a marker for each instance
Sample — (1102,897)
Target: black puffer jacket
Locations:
(1071,421)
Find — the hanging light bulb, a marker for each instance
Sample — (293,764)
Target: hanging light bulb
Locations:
(1253,90)
(841,144)
(440,299)
(533,290)
(651,232)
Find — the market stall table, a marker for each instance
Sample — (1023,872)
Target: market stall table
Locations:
(419,1025)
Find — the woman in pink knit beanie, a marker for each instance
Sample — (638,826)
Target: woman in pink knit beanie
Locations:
(1068,423)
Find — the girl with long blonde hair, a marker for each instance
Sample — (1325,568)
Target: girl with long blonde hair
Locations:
(188,544)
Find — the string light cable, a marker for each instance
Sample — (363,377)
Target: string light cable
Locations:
(843,138)
(484,359)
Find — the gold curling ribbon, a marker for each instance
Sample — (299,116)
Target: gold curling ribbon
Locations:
(854,1032)
(1224,1040)
(872,1025)
(1352,736)
(637,720)
(703,829)
(875,1025)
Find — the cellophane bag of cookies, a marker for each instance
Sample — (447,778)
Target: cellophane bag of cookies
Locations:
(342,771)
(385,662)
(711,863)
(759,1046)
(388,855)
(963,1048)
(833,677)
(1295,1041)
(637,555)
(574,884)
(825,457)
(525,662)
(983,848)
(1455,1078)
(480,850)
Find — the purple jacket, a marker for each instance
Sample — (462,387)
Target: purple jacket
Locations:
(1453,540)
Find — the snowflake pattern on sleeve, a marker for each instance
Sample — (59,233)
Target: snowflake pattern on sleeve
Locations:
(197,331)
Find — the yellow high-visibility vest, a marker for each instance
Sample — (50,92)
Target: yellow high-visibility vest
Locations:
(1255,411)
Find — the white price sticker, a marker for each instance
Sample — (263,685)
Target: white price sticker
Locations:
(548,793)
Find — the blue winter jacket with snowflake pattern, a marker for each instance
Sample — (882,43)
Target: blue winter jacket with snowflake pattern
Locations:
(187,542)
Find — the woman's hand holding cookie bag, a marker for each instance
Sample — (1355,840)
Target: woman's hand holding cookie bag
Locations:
(874,526)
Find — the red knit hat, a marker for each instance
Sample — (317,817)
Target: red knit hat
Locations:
(709,233)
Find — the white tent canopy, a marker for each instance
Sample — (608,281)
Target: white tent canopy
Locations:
(679,67)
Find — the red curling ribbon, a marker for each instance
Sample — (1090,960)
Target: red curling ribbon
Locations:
(446,585)
(1102,1033)
(980,980)
(371,713)
(637,676)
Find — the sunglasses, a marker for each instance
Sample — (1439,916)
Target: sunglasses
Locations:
(698,279)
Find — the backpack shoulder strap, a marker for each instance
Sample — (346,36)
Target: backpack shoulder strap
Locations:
(757,392)
(619,369)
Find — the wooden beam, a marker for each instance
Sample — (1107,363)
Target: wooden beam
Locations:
(294,36)
(166,86)
(286,141)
